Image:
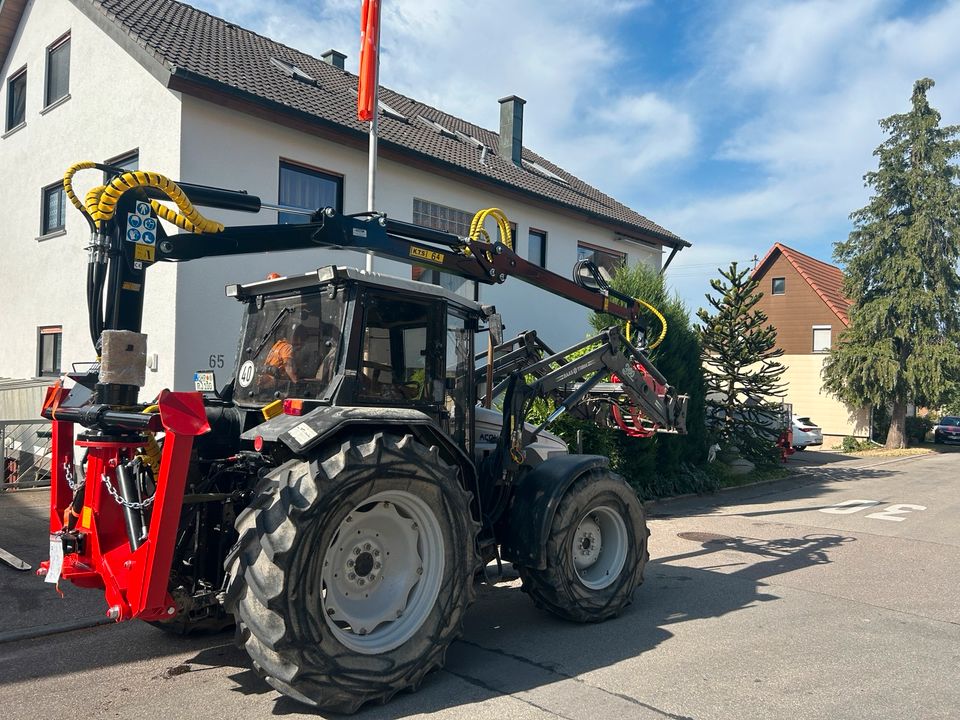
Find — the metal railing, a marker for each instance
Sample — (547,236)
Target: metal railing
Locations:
(26,454)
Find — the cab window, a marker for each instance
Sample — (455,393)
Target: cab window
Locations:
(397,357)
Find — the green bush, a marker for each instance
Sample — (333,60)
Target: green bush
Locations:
(917,429)
(852,444)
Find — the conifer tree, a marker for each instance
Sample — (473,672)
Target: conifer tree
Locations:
(901,272)
(742,373)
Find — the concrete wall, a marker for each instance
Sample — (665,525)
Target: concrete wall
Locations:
(805,392)
(43,280)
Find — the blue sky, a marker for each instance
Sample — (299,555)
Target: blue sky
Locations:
(733,124)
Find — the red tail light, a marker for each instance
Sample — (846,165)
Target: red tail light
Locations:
(293,407)
(807,429)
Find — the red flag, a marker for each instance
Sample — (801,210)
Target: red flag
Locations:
(369,44)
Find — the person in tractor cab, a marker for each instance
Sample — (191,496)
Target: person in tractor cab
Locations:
(281,362)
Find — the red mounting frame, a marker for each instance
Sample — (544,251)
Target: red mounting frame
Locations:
(134,581)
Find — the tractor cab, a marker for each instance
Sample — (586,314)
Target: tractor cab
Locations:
(340,336)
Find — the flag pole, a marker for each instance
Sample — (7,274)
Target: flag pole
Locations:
(372,152)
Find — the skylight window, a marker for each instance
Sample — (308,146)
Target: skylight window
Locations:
(470,140)
(436,126)
(541,170)
(291,70)
(388,111)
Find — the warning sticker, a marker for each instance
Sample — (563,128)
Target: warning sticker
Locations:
(428,255)
(144,252)
(303,433)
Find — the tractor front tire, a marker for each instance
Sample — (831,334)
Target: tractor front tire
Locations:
(595,553)
(353,572)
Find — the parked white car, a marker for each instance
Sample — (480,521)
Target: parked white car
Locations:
(805,433)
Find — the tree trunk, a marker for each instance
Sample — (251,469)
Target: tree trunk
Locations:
(896,436)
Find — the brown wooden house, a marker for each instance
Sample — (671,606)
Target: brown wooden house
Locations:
(803,299)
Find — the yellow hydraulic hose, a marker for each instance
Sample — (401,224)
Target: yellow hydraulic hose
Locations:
(68,183)
(659,316)
(477,231)
(101,201)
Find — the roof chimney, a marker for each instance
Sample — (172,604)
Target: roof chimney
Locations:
(335,58)
(511,128)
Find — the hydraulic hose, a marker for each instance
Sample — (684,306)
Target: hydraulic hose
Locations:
(478,232)
(100,202)
(659,316)
(99,206)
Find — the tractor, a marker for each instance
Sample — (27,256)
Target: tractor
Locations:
(337,499)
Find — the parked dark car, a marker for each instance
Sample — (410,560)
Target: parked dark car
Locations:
(947,430)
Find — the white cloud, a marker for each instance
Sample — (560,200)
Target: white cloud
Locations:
(808,83)
(462,57)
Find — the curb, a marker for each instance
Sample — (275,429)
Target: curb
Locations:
(38,631)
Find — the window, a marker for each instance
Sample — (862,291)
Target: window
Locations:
(440,217)
(58,71)
(458,379)
(17,100)
(821,338)
(537,247)
(49,341)
(451,220)
(396,365)
(609,260)
(53,210)
(303,187)
(779,286)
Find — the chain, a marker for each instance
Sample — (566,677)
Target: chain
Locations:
(68,475)
(120,501)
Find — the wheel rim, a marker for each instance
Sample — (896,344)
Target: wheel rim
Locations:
(382,572)
(600,547)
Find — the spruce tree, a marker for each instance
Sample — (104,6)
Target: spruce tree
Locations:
(901,272)
(742,373)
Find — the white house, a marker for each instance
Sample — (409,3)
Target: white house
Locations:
(159,85)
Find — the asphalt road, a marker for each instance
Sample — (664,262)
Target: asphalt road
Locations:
(829,595)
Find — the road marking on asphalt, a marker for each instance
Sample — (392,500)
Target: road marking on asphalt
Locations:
(848,507)
(894,512)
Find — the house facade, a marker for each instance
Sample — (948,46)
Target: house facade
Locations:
(158,85)
(803,299)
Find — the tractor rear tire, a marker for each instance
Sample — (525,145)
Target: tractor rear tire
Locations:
(353,571)
(595,553)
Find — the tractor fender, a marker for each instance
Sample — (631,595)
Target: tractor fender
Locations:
(301,434)
(534,502)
